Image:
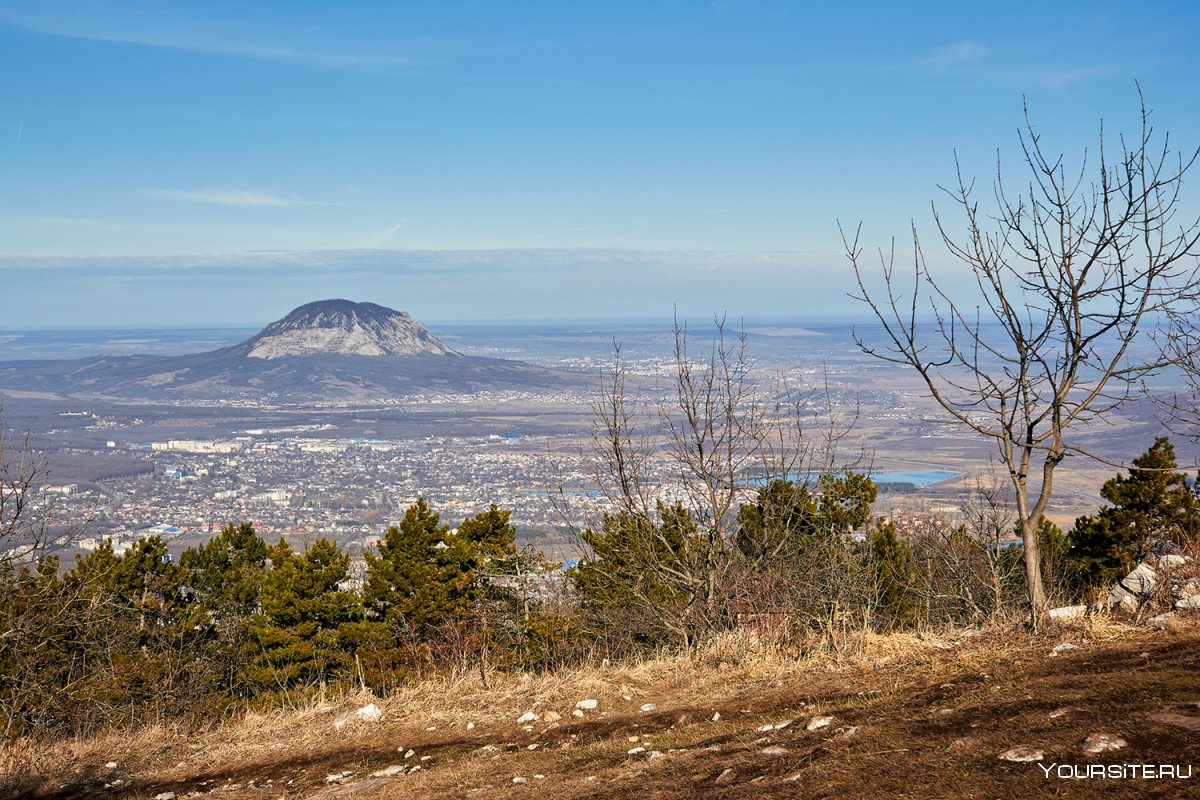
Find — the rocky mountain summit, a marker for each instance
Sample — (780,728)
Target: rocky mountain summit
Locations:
(342,327)
(330,350)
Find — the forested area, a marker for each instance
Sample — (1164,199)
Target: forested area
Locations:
(119,640)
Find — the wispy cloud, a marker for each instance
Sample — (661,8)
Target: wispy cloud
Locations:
(954,54)
(167,26)
(230,197)
(385,236)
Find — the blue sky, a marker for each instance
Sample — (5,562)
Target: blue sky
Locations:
(219,163)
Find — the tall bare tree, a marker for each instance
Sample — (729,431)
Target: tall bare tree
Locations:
(1071,274)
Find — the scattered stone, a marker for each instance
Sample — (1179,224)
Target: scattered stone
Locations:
(1129,591)
(528,716)
(409,754)
(1067,612)
(577,712)
(369,713)
(1022,754)
(487,749)
(1062,712)
(774,751)
(1102,742)
(527,728)
(387,772)
(851,731)
(816,723)
(165,796)
(426,758)
(517,779)
(470,726)
(337,777)
(551,716)
(793,778)
(533,746)
(716,717)
(727,776)
(1172,561)
(1188,602)
(648,707)
(654,754)
(111,765)
(431,728)
(415,768)
(636,751)
(1160,619)
(539,777)
(1062,648)
(765,728)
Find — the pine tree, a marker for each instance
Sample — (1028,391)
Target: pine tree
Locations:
(424,575)
(1152,503)
(296,636)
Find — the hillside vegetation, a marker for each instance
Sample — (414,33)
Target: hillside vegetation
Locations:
(900,715)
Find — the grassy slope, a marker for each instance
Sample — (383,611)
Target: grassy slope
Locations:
(912,718)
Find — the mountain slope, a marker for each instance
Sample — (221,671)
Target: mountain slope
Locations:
(332,350)
(909,717)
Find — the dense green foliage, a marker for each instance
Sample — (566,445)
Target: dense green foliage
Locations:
(1151,504)
(120,638)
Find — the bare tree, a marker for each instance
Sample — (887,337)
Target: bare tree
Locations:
(24,505)
(1071,275)
(677,461)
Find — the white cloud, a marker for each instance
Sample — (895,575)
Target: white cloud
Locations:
(230,197)
(955,54)
(174,27)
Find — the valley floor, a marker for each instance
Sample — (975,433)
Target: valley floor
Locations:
(910,717)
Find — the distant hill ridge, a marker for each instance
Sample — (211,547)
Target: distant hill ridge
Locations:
(343,327)
(330,350)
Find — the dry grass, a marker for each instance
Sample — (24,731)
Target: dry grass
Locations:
(888,686)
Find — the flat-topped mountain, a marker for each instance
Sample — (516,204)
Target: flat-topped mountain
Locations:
(342,327)
(330,350)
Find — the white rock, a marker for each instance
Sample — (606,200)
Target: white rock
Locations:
(649,707)
(1022,754)
(1062,648)
(587,705)
(551,716)
(165,796)
(1067,612)
(387,772)
(1161,619)
(528,716)
(1188,602)
(369,713)
(636,751)
(716,717)
(409,754)
(577,712)
(774,751)
(816,723)
(111,765)
(764,728)
(470,726)
(337,777)
(1127,592)
(1102,743)
(654,754)
(1172,561)
(518,779)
